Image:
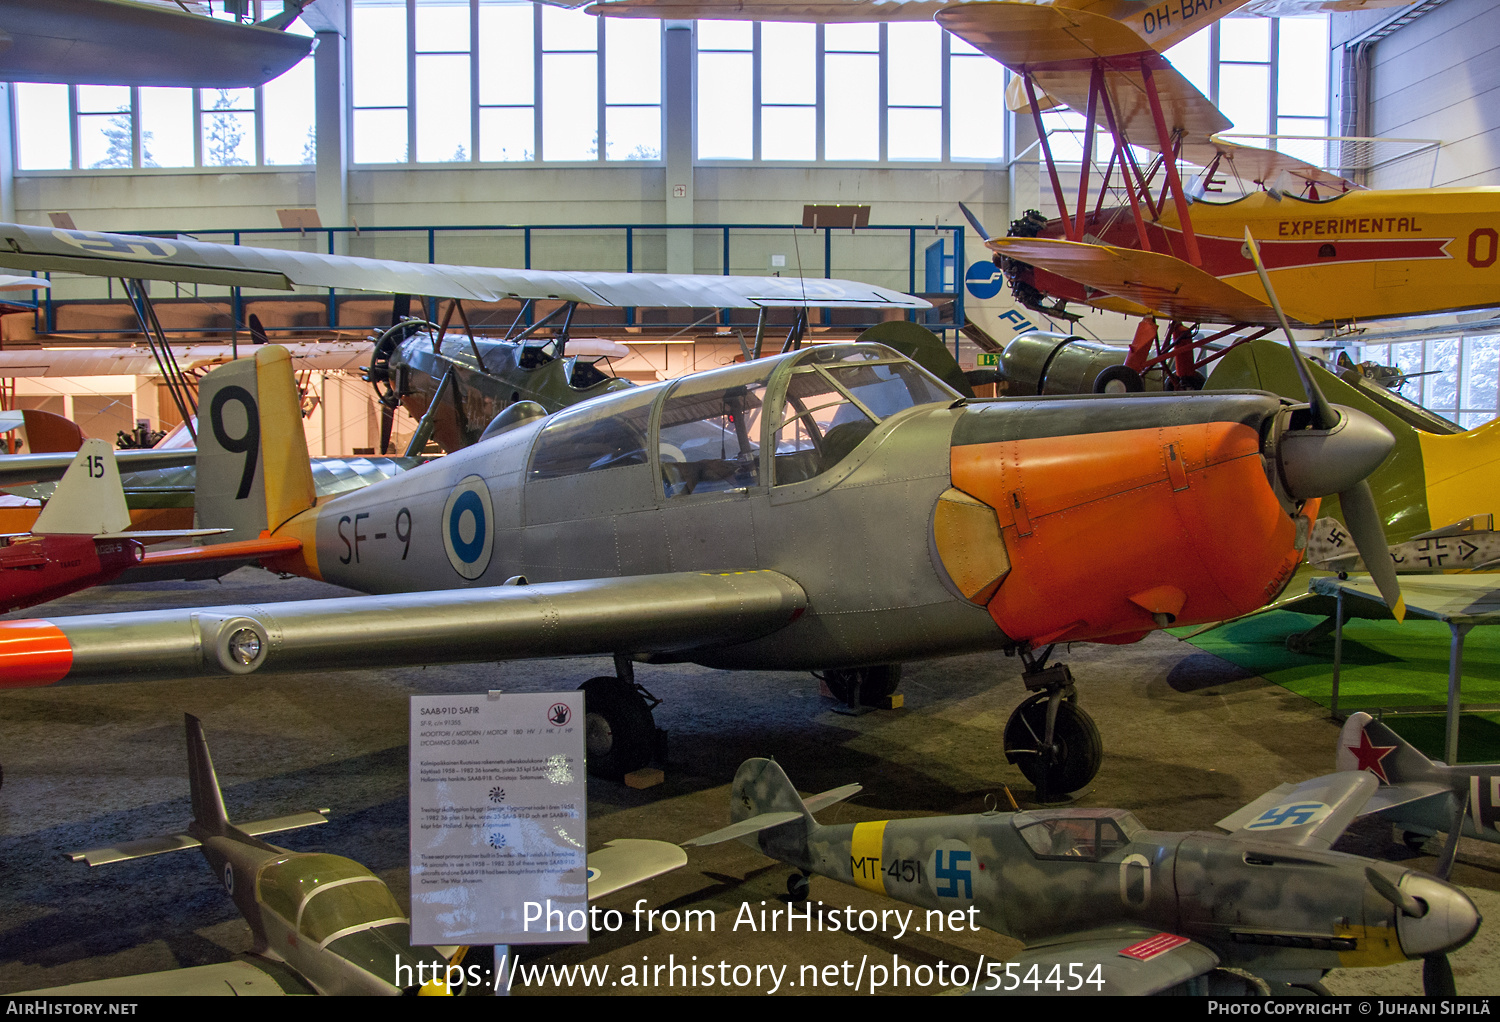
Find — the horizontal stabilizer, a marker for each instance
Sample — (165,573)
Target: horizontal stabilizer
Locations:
(753,825)
(1308,815)
(161,533)
(626,861)
(180,842)
(1166,285)
(225,979)
(1409,795)
(269,546)
(833,795)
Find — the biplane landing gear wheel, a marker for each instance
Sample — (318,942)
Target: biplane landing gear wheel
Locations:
(1119,379)
(1067,763)
(619,731)
(863,686)
(797,888)
(1192,381)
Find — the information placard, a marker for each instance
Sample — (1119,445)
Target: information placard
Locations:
(498,819)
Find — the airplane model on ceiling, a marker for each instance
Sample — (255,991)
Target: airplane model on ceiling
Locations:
(115,42)
(1336,254)
(830,508)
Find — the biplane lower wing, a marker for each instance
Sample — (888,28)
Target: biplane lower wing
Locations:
(1166,285)
(188,261)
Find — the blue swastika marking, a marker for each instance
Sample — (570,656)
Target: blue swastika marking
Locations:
(1294,815)
(952,873)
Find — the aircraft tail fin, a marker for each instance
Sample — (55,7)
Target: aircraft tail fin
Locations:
(1367,744)
(763,799)
(208,801)
(253,470)
(89,499)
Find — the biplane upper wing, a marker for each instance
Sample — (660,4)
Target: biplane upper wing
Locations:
(1166,285)
(1060,48)
(189,261)
(314,355)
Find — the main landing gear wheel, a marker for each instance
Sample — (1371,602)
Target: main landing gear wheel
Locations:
(620,733)
(1069,762)
(863,686)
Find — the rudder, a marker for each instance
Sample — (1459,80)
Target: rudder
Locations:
(760,787)
(208,801)
(1367,744)
(253,469)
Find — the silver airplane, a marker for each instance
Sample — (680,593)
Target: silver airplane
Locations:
(321,923)
(834,509)
(1106,906)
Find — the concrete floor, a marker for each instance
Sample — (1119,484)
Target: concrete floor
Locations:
(1188,739)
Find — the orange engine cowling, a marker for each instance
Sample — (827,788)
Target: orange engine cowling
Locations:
(1109,535)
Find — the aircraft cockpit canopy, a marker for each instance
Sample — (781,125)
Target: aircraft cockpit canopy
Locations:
(709,430)
(326,896)
(1090,834)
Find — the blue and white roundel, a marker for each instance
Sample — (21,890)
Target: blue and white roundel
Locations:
(469,527)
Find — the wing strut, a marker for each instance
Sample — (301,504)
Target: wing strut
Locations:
(156,340)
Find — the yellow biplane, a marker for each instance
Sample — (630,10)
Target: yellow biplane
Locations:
(1335,251)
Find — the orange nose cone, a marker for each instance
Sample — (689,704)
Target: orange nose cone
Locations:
(1109,535)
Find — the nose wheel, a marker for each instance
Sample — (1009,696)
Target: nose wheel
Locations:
(1050,738)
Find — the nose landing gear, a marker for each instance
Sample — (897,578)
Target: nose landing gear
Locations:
(1049,737)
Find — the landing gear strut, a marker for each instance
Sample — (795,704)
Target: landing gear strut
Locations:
(1049,737)
(620,733)
(862,686)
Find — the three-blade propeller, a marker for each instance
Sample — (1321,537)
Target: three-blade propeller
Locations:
(1332,449)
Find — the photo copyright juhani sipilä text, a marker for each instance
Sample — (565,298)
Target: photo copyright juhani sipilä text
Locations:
(868,974)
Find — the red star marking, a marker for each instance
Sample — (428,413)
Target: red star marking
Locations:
(1369,755)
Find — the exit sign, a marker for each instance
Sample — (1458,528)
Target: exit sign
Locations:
(989,358)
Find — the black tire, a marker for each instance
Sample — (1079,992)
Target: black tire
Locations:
(868,685)
(797,888)
(1192,381)
(1296,643)
(1074,757)
(620,733)
(1123,376)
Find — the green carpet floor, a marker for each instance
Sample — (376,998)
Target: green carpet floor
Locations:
(1385,664)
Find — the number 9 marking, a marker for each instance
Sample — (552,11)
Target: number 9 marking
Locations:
(249,444)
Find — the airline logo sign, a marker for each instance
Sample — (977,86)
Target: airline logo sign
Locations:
(117,244)
(984,280)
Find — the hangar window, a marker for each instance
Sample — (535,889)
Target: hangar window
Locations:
(501,81)
(710,431)
(606,433)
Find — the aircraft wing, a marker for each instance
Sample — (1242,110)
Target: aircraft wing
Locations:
(1308,815)
(627,861)
(24,469)
(186,260)
(1125,962)
(1457,599)
(1166,285)
(319,355)
(824,11)
(668,614)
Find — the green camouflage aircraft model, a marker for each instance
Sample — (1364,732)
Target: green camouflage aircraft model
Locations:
(1106,906)
(321,923)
